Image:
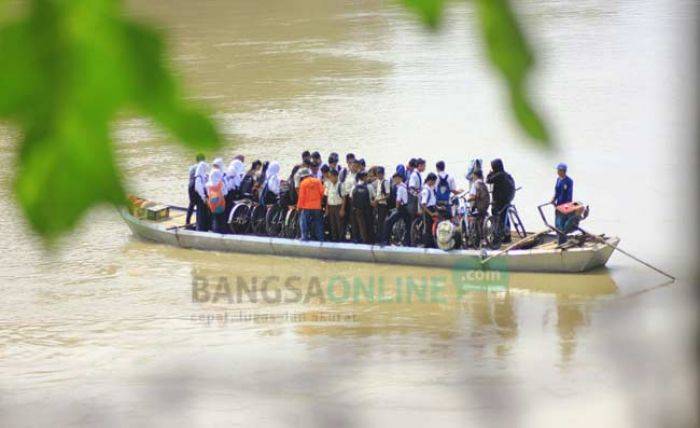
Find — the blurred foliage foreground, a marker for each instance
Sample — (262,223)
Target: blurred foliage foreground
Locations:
(68,67)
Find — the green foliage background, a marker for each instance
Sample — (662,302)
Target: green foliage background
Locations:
(68,67)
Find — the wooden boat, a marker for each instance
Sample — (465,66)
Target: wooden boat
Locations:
(544,257)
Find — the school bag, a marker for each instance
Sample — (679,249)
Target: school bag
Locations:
(360,197)
(216,200)
(442,190)
(391,199)
(246,187)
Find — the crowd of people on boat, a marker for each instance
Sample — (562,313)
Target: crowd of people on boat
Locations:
(350,201)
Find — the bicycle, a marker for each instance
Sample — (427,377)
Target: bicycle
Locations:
(399,229)
(418,227)
(473,229)
(239,218)
(257,219)
(274,220)
(290,228)
(495,229)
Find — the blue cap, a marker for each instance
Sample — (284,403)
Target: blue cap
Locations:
(561,166)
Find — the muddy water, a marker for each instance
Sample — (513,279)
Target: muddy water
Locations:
(113,327)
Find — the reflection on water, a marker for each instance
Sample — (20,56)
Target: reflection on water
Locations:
(356,300)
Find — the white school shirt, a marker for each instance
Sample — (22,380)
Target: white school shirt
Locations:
(332,192)
(415,181)
(427,196)
(348,184)
(402,194)
(378,190)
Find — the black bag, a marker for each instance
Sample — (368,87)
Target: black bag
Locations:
(510,186)
(285,198)
(246,187)
(391,200)
(360,197)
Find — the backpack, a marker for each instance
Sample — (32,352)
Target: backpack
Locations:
(391,200)
(442,190)
(510,183)
(285,198)
(246,187)
(216,199)
(360,197)
(343,175)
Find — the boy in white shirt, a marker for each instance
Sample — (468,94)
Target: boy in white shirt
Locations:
(400,212)
(382,191)
(334,201)
(428,204)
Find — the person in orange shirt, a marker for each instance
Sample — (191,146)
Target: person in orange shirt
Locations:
(309,205)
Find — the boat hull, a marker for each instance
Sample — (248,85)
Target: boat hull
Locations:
(532,260)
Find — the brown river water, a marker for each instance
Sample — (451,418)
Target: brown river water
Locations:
(112,330)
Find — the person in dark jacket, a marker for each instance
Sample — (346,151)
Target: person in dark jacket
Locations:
(362,197)
(502,195)
(190,189)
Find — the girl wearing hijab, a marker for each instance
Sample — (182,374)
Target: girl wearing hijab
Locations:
(234,176)
(218,163)
(271,189)
(200,181)
(216,192)
(245,189)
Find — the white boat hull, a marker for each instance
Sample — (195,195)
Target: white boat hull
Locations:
(533,260)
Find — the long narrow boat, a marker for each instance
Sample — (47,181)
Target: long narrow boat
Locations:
(545,257)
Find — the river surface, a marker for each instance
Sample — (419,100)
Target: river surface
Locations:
(117,331)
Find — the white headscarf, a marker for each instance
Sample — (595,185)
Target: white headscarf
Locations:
(272,177)
(217,177)
(234,175)
(200,179)
(218,163)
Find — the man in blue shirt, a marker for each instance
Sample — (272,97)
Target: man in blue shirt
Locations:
(564,189)
(563,193)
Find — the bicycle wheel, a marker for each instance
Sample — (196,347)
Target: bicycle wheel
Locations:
(398,232)
(274,220)
(239,219)
(493,233)
(291,224)
(257,219)
(464,232)
(517,223)
(416,233)
(473,236)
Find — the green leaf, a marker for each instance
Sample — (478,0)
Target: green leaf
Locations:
(66,70)
(508,51)
(430,11)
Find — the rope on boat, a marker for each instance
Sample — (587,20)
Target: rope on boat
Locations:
(633,257)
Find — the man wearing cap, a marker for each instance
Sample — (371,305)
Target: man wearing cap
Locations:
(563,193)
(309,205)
